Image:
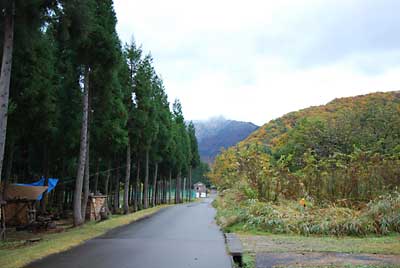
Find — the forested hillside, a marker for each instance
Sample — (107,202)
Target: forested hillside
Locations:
(345,153)
(217,133)
(87,109)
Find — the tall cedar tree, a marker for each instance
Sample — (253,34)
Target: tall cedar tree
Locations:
(194,160)
(182,148)
(163,139)
(132,56)
(108,82)
(146,116)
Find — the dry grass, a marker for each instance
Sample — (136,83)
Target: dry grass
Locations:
(380,216)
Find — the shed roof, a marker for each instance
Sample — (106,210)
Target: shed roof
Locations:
(22,192)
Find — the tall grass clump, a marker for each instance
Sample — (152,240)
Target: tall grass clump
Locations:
(380,216)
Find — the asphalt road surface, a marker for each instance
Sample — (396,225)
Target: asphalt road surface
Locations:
(177,237)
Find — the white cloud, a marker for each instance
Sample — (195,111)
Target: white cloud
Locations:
(256,60)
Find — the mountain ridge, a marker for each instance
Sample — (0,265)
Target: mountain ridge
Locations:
(217,132)
(267,132)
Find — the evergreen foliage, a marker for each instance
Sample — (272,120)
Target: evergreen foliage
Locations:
(63,50)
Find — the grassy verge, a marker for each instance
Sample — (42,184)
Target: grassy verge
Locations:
(262,242)
(377,217)
(18,254)
(314,235)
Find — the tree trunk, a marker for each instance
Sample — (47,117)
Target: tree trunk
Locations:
(86,182)
(106,183)
(159,192)
(165,190)
(96,177)
(136,190)
(60,190)
(82,154)
(155,185)
(130,193)
(178,189)
(116,190)
(170,187)
(184,192)
(65,203)
(190,183)
(2,222)
(44,200)
(162,197)
(127,178)
(146,182)
(10,159)
(5,76)
(141,185)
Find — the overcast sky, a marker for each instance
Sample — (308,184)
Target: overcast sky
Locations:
(257,60)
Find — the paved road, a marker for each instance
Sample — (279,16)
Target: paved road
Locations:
(178,237)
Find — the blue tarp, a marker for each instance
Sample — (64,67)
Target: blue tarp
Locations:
(52,183)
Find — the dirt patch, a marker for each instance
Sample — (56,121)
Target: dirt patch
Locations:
(17,239)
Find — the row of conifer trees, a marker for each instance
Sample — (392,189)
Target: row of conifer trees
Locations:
(78,105)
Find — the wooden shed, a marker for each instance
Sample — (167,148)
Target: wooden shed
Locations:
(19,209)
(95,206)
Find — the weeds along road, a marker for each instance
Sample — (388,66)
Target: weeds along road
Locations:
(176,237)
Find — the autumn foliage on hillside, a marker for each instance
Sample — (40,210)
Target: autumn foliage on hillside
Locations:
(346,151)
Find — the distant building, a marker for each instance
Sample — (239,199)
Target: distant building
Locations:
(200,189)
